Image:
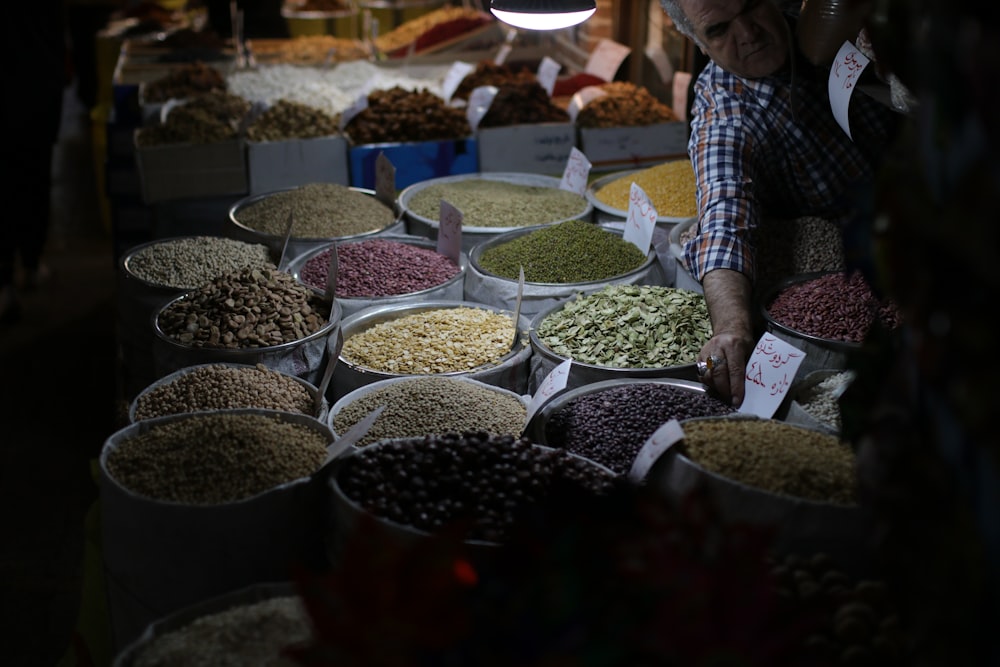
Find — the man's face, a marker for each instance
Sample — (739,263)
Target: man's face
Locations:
(748,38)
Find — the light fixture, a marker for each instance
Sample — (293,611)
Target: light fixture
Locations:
(543,14)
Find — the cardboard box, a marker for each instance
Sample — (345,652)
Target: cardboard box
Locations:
(414,161)
(277,165)
(186,171)
(615,148)
(537,149)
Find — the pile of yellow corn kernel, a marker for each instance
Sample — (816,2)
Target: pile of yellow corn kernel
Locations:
(669,186)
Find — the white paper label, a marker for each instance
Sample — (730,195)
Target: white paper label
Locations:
(449,240)
(501,57)
(548,71)
(385,180)
(453,79)
(576,173)
(359,105)
(553,383)
(769,373)
(606,58)
(662,439)
(480,100)
(844,74)
(582,98)
(640,220)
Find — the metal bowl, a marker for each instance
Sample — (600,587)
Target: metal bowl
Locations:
(296,244)
(471,235)
(453,288)
(509,371)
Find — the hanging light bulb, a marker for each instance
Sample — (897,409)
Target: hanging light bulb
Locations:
(543,14)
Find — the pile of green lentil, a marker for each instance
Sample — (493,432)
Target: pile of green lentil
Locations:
(223,387)
(424,405)
(574,251)
(319,211)
(629,326)
(775,457)
(496,203)
(439,340)
(236,456)
(190,262)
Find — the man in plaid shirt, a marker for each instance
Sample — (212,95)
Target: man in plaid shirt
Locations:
(764,141)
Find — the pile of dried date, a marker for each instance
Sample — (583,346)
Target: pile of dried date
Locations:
(399,115)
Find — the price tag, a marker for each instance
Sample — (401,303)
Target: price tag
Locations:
(548,71)
(641,219)
(453,79)
(582,98)
(606,58)
(553,383)
(385,180)
(449,240)
(517,307)
(576,173)
(480,100)
(662,439)
(769,374)
(844,74)
(504,51)
(348,114)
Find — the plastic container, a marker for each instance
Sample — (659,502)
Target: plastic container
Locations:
(472,235)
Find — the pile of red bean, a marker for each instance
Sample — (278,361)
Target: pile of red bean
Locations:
(833,306)
(379,267)
(610,426)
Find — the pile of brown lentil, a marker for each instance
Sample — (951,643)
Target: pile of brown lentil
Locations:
(803,245)
(379,267)
(234,455)
(252,308)
(629,326)
(669,186)
(775,457)
(189,263)
(319,210)
(424,405)
(439,340)
(574,251)
(482,479)
(400,115)
(625,104)
(486,202)
(610,426)
(249,634)
(188,80)
(222,387)
(834,306)
(287,119)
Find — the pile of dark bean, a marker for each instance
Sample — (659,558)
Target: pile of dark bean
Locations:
(379,267)
(610,426)
(474,477)
(834,306)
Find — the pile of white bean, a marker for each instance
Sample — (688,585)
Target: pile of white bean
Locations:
(329,89)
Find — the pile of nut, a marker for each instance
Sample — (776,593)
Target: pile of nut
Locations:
(624,104)
(286,119)
(252,308)
(209,118)
(400,115)
(187,80)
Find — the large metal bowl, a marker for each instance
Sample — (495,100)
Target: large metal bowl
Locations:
(453,288)
(296,244)
(471,235)
(509,371)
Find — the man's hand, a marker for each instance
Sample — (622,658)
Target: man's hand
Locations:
(725,355)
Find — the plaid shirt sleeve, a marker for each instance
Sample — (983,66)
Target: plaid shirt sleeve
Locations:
(721,150)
